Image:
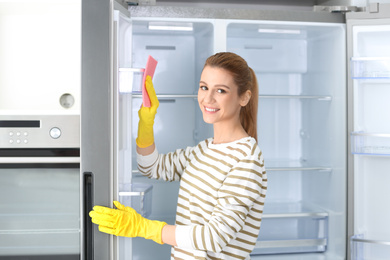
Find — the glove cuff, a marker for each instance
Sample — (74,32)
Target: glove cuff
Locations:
(155,231)
(145,135)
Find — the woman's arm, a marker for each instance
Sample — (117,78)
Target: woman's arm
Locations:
(168,235)
(147,150)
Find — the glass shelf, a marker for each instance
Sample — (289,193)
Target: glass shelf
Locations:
(370,67)
(319,97)
(367,249)
(293,165)
(370,143)
(292,228)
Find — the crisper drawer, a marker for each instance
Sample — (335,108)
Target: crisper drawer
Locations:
(368,249)
(299,232)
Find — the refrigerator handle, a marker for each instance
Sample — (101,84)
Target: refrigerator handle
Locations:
(87,207)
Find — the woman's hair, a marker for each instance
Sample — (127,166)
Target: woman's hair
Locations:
(245,79)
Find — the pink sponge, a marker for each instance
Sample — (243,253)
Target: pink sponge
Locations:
(149,70)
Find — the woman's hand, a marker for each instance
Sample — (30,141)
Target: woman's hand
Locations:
(126,222)
(146,115)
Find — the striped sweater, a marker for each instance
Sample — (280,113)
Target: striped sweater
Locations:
(221,197)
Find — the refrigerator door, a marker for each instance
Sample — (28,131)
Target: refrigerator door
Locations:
(369,129)
(96,124)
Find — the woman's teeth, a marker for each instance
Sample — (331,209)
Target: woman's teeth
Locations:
(211,109)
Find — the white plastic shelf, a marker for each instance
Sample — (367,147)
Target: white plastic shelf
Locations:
(369,249)
(370,143)
(130,80)
(292,228)
(370,67)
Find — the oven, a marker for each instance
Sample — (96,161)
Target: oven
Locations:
(40,187)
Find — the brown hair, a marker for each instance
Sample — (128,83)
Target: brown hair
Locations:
(245,79)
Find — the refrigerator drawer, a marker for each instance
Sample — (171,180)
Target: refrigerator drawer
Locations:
(300,232)
(366,249)
(370,144)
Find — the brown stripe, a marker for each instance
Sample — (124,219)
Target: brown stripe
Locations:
(237,150)
(248,180)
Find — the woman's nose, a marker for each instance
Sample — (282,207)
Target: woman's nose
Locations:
(209,97)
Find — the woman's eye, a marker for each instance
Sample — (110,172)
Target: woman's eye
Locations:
(221,91)
(203,87)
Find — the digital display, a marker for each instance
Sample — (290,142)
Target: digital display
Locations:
(20,123)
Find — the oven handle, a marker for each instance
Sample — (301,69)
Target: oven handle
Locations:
(43,160)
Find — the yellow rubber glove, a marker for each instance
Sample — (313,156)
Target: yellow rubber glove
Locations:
(146,117)
(126,222)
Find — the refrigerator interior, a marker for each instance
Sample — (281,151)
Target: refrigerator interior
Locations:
(301,121)
(370,145)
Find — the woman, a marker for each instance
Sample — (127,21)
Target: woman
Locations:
(222,180)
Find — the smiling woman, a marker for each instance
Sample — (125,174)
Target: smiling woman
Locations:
(226,86)
(223,182)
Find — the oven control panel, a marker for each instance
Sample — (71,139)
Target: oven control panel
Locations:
(33,131)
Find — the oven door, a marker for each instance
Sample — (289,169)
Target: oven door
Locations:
(39,204)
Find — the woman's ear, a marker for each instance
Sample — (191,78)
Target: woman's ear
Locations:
(245,98)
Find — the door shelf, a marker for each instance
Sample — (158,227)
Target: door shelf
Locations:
(370,143)
(370,68)
(292,228)
(138,196)
(130,80)
(367,249)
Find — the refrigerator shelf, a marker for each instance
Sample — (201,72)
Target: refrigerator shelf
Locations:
(319,97)
(365,249)
(138,196)
(370,67)
(292,228)
(130,80)
(320,169)
(370,143)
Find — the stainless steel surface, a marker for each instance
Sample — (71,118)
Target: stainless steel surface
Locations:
(96,118)
(40,160)
(234,13)
(337,8)
(67,128)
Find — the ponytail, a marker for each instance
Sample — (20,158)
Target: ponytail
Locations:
(248,114)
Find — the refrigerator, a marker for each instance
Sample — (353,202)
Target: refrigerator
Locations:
(322,121)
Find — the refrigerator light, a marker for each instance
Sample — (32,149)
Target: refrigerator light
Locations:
(261,30)
(165,26)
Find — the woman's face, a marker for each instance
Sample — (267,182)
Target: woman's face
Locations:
(218,97)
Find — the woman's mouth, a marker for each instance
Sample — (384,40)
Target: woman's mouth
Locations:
(208,109)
